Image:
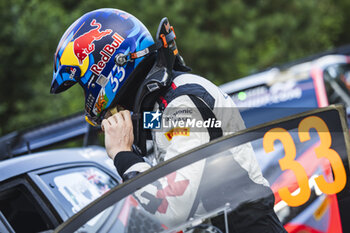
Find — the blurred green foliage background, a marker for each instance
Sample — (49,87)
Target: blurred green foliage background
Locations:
(221,40)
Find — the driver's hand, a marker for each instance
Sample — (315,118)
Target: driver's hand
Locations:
(119,134)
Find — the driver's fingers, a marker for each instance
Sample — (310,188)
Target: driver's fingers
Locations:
(105,124)
(118,119)
(127,118)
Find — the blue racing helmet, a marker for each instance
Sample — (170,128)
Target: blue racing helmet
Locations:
(99,51)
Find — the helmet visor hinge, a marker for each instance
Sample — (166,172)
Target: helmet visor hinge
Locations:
(121,59)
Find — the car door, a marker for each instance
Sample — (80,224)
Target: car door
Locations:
(307,156)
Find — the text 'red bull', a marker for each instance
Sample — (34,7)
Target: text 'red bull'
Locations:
(84,45)
(106,53)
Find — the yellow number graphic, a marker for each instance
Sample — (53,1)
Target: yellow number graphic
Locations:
(324,151)
(288,162)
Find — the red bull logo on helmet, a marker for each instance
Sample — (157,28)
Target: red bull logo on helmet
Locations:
(84,44)
(107,53)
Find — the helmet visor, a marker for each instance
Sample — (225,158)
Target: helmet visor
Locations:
(65,77)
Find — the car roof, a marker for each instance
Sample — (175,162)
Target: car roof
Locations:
(26,163)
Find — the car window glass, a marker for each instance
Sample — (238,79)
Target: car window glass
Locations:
(337,80)
(21,211)
(77,187)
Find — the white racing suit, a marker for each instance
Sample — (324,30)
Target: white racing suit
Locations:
(177,197)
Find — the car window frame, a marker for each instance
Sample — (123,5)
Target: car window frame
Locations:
(204,151)
(34,176)
(5,226)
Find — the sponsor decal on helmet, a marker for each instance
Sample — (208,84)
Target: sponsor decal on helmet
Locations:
(101,102)
(72,72)
(122,14)
(68,58)
(89,103)
(106,54)
(116,76)
(84,45)
(102,81)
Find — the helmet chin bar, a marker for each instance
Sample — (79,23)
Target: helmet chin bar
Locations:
(104,114)
(89,121)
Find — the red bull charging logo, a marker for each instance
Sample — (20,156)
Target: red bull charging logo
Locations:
(84,45)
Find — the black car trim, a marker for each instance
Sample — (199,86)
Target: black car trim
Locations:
(5,226)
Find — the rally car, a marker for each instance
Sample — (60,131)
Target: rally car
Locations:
(282,91)
(278,93)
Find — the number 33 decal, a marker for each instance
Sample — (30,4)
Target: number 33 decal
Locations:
(289,162)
